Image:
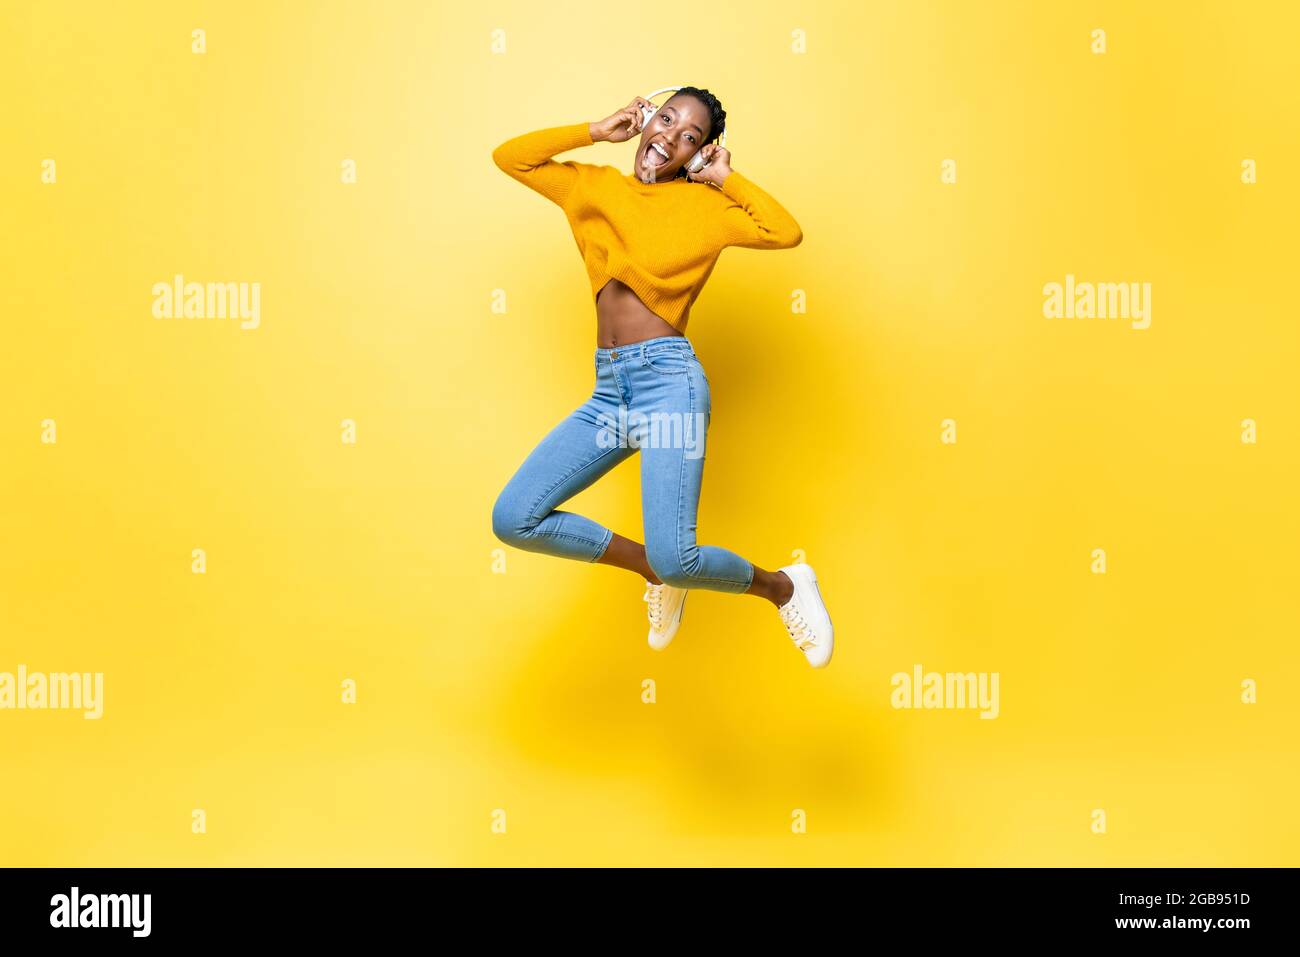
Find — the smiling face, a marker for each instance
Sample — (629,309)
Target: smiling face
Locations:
(674,134)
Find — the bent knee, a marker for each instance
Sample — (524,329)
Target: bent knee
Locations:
(678,579)
(511,523)
(671,566)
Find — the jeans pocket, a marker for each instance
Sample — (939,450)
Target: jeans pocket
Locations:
(668,362)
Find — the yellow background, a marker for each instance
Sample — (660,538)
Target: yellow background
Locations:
(522,691)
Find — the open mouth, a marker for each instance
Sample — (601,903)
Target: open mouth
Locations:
(655,155)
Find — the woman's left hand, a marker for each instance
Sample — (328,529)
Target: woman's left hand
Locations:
(717,165)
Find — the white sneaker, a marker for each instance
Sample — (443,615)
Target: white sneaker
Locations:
(806,618)
(664,605)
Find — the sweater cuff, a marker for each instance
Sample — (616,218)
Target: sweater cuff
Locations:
(579,134)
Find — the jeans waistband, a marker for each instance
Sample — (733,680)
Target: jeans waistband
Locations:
(658,344)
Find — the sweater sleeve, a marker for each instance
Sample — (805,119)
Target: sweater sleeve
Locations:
(756,220)
(527,158)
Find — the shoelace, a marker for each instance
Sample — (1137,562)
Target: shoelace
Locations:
(801,632)
(654,596)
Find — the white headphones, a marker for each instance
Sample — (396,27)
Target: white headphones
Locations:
(696,162)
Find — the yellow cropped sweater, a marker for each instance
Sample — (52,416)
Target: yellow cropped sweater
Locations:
(661,239)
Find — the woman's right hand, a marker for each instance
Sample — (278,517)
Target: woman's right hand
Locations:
(622,125)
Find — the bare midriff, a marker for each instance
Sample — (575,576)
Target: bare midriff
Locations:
(622,318)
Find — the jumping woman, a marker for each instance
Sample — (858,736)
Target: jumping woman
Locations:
(650,241)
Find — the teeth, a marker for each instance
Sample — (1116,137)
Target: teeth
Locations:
(661,150)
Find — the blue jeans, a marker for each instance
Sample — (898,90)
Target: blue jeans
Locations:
(652,397)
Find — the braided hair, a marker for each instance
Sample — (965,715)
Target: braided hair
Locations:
(717,116)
